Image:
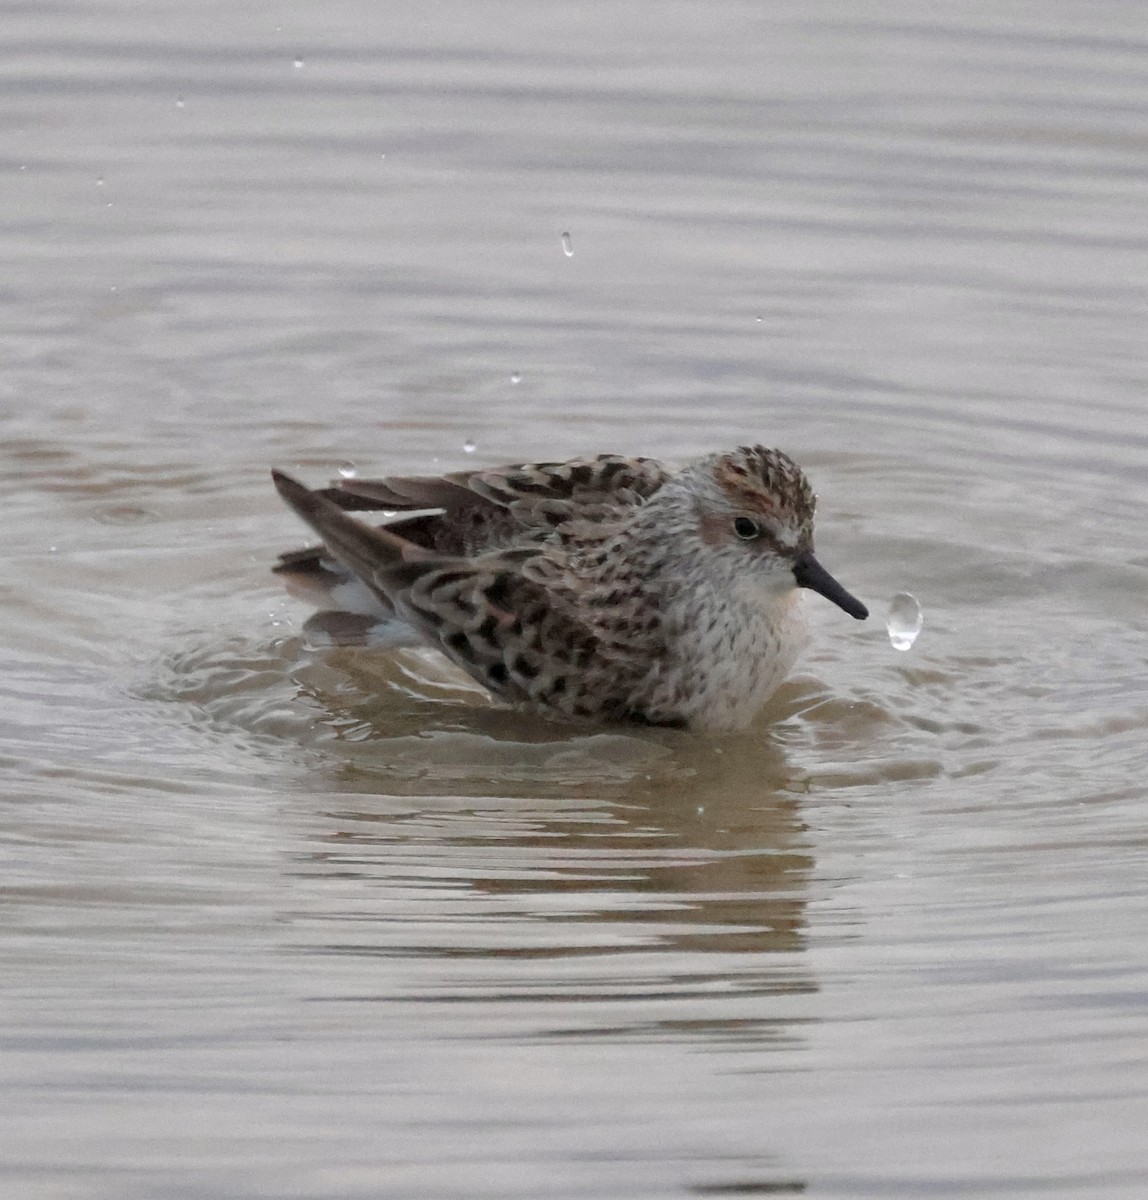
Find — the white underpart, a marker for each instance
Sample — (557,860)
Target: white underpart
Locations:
(390,632)
(393,632)
(726,673)
(355,597)
(351,595)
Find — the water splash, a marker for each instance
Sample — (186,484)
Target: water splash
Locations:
(904,620)
(567,246)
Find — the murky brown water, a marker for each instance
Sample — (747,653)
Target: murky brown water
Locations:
(284,924)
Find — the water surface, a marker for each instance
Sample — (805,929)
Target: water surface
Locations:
(280,923)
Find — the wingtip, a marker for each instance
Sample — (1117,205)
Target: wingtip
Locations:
(288,487)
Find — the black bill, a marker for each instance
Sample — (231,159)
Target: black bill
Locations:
(809,573)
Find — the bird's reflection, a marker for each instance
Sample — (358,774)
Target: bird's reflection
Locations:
(607,841)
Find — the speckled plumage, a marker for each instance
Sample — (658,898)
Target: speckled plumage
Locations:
(605,589)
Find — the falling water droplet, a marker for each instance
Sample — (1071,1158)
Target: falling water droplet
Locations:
(516,377)
(298,64)
(904,620)
(180,102)
(99,181)
(348,470)
(469,446)
(567,246)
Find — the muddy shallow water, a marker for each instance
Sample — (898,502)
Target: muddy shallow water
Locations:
(287,923)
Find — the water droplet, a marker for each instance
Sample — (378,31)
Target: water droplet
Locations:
(759,320)
(99,181)
(23,166)
(180,102)
(904,620)
(348,470)
(516,377)
(298,64)
(567,246)
(469,446)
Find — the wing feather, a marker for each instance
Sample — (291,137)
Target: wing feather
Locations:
(494,614)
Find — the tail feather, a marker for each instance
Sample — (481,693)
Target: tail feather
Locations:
(361,548)
(401,493)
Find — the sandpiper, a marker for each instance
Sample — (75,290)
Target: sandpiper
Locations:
(599,589)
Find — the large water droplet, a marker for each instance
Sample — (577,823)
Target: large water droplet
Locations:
(516,377)
(567,246)
(469,446)
(298,64)
(904,620)
(348,470)
(180,102)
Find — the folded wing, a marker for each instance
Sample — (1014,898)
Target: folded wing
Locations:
(493,613)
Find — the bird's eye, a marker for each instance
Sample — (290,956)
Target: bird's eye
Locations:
(746,528)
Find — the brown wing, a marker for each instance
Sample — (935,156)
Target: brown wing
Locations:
(514,635)
(494,614)
(475,511)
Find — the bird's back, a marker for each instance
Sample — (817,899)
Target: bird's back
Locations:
(474,512)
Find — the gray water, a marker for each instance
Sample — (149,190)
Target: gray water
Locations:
(279,923)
